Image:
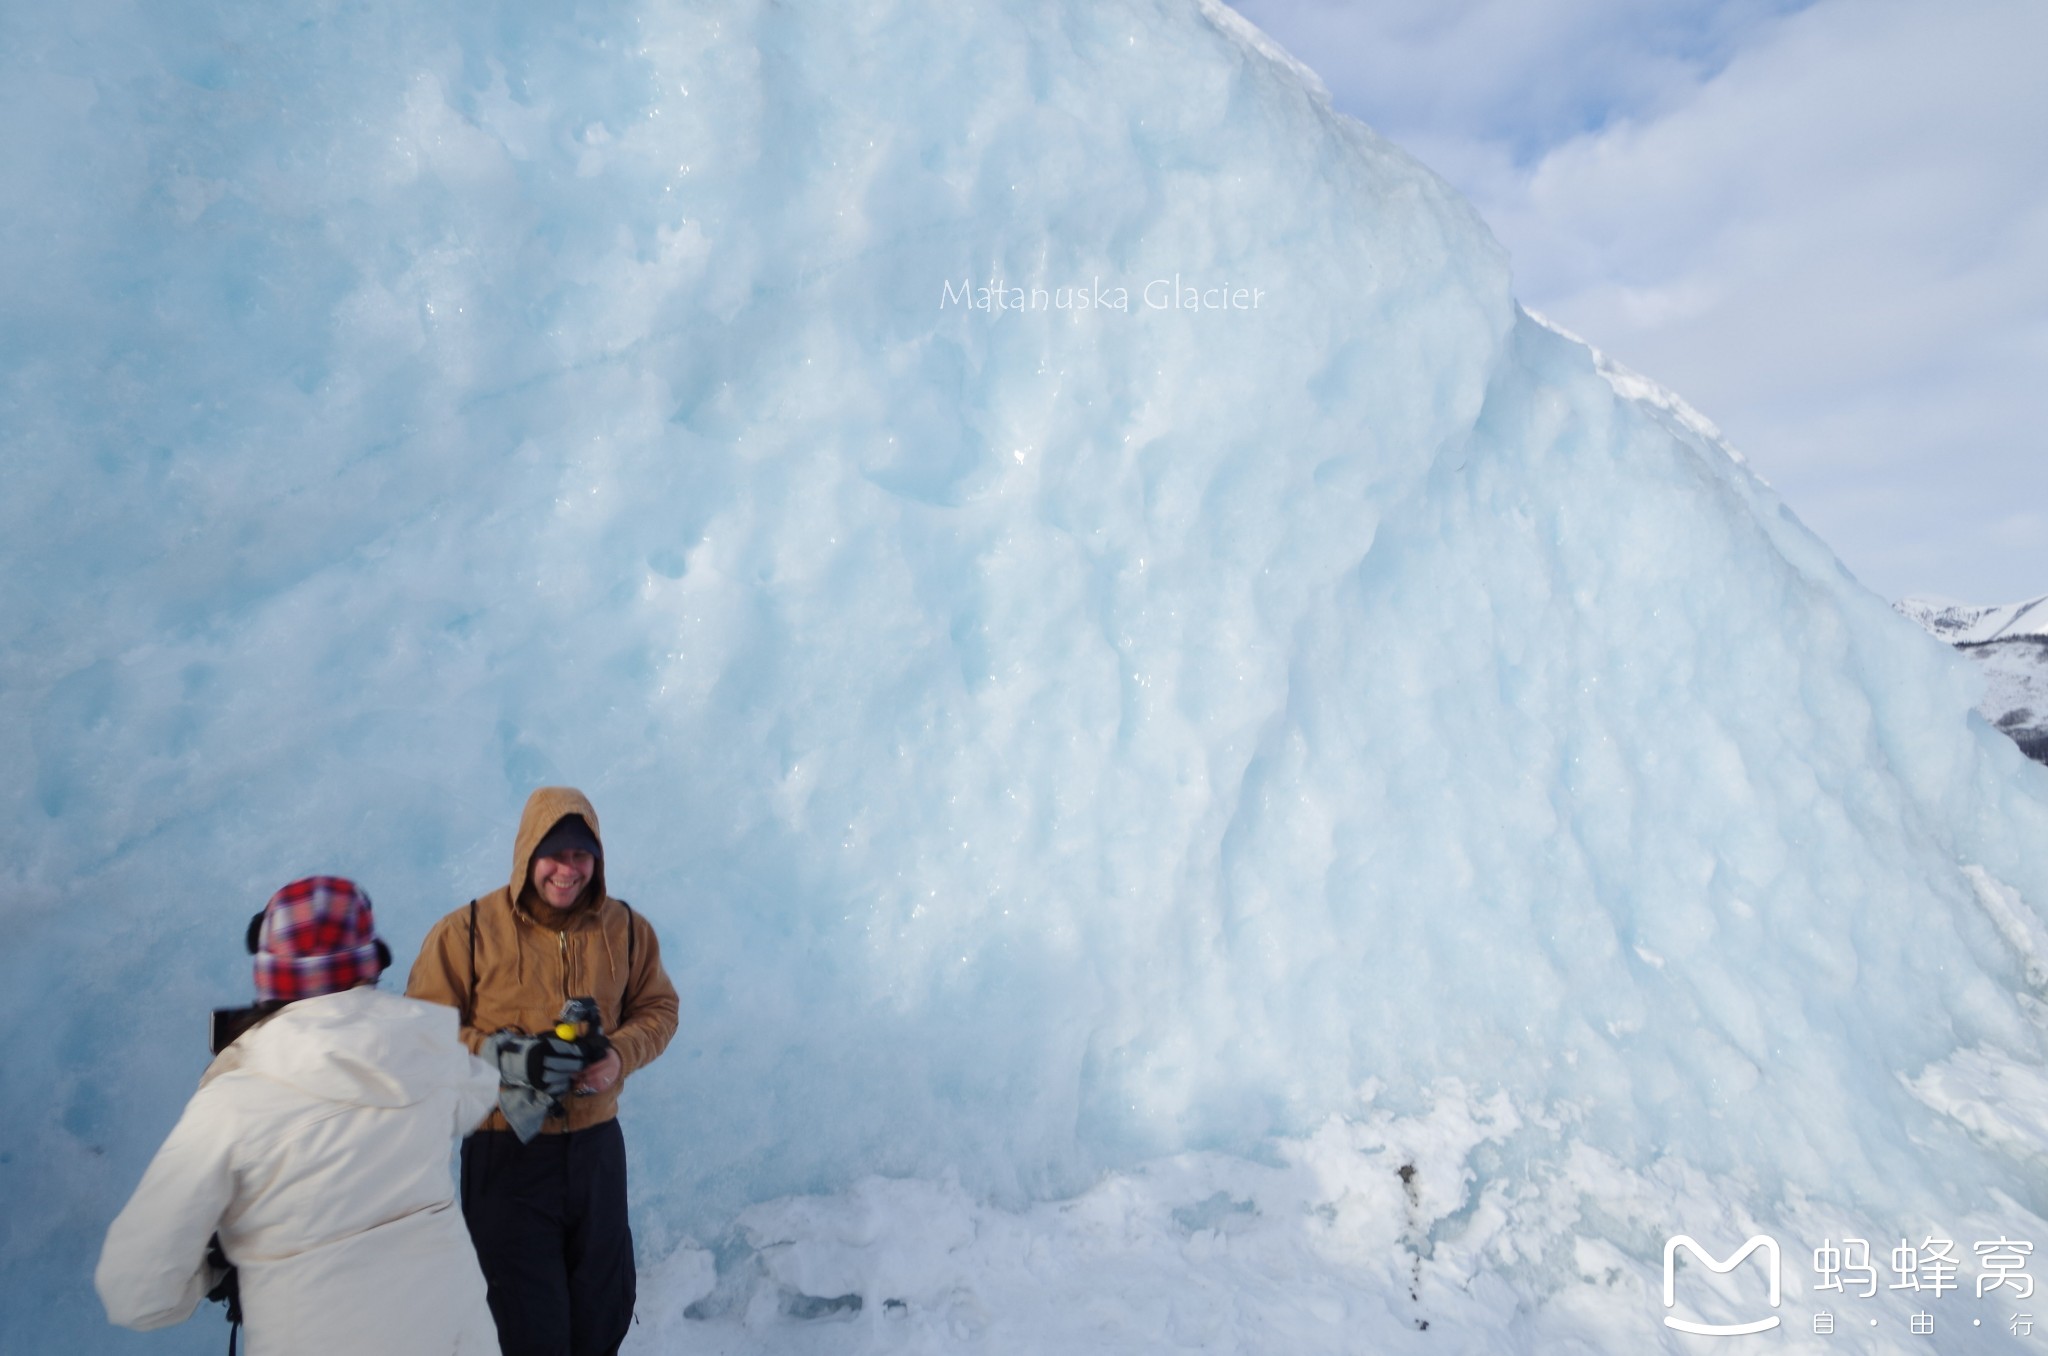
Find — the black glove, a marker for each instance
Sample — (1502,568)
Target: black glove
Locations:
(592,1048)
(582,1025)
(547,1064)
(227,1281)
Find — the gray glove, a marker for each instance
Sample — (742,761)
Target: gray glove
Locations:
(534,1072)
(546,1064)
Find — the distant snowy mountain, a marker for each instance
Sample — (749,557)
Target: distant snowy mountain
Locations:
(1961,624)
(2010,641)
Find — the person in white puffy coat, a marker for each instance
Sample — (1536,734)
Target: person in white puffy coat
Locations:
(318,1147)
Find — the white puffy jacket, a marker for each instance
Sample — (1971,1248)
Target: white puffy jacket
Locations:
(318,1148)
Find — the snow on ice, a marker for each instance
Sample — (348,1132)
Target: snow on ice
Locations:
(1328,824)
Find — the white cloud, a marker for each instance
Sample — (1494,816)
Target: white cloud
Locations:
(1521,74)
(1837,247)
(1827,229)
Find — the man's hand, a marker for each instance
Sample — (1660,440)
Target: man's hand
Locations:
(601,1075)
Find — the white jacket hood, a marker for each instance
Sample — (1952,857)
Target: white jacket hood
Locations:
(358,1047)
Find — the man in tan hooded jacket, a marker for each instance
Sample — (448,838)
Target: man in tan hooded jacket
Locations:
(548,1217)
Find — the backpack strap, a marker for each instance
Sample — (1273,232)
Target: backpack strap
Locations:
(469,1005)
(626,994)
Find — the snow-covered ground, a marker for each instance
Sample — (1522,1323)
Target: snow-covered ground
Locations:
(2009,644)
(1370,1233)
(1116,785)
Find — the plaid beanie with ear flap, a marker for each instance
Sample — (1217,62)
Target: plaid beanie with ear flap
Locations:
(317,936)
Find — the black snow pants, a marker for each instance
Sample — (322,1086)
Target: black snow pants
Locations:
(549,1223)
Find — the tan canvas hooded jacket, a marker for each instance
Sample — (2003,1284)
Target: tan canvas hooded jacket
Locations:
(529,962)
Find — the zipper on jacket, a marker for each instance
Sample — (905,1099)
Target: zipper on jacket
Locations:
(562,945)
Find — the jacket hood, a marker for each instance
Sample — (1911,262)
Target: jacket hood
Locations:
(359,1047)
(546,808)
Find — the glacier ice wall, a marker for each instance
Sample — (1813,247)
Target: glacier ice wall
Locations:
(1044,736)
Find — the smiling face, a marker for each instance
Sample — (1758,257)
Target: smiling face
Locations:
(559,879)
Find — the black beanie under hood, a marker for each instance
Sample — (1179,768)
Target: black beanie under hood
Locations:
(569,834)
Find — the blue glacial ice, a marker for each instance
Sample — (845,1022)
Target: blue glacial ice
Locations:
(1066,749)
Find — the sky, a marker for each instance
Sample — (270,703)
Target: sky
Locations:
(1825,225)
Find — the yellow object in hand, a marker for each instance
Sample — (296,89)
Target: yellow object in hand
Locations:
(568,1031)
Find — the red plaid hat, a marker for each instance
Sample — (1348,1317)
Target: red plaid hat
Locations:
(317,936)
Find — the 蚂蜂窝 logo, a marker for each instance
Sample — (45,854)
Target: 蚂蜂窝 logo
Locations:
(1763,1242)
